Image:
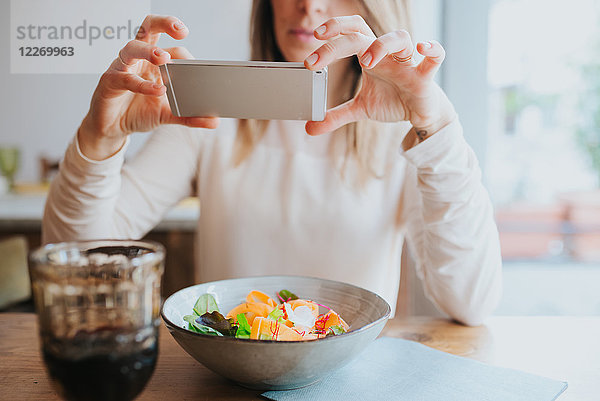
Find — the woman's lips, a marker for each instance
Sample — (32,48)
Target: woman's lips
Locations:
(303,35)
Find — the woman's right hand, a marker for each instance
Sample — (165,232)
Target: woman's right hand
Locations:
(130,96)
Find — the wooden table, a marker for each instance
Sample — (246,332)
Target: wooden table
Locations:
(563,348)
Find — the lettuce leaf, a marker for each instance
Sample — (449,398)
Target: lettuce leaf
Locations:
(199,328)
(286,295)
(276,314)
(205,304)
(244,328)
(218,322)
(335,330)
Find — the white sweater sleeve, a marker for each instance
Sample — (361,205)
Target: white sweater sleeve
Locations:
(112,199)
(451,229)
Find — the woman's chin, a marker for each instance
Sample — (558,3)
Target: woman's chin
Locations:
(297,54)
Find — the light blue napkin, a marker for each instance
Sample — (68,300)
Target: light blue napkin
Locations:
(396,369)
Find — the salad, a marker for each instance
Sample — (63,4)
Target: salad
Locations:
(262,318)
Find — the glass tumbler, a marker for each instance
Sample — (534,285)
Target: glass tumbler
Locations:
(9,164)
(98,308)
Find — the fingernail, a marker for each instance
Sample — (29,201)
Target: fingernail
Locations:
(157,86)
(178,25)
(312,58)
(159,52)
(427,45)
(366,59)
(321,30)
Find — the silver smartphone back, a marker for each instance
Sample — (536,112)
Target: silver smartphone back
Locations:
(245,89)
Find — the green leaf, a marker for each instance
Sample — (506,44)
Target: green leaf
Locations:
(244,328)
(286,295)
(216,321)
(335,330)
(199,328)
(206,303)
(276,314)
(191,320)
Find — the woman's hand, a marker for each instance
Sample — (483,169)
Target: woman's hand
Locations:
(130,96)
(393,87)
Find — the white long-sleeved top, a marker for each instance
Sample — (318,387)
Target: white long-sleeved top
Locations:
(286,210)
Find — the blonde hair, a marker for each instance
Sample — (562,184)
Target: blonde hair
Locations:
(364,141)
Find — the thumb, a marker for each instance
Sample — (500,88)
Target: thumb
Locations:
(167,117)
(196,122)
(336,117)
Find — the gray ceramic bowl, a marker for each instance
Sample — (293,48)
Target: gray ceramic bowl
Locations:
(278,365)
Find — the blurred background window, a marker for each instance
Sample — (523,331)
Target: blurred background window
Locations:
(524,77)
(543,152)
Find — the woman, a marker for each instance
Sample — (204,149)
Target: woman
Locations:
(391,163)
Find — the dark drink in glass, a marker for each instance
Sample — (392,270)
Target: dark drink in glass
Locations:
(97,304)
(92,367)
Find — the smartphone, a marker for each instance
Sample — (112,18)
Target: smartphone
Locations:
(245,89)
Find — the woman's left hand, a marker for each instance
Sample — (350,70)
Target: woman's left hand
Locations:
(393,88)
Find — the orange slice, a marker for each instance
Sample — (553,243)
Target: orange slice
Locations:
(302,302)
(275,331)
(258,296)
(333,319)
(252,311)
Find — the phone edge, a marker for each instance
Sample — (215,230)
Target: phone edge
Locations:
(232,63)
(319,87)
(164,72)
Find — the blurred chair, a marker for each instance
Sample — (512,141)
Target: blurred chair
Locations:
(15,285)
